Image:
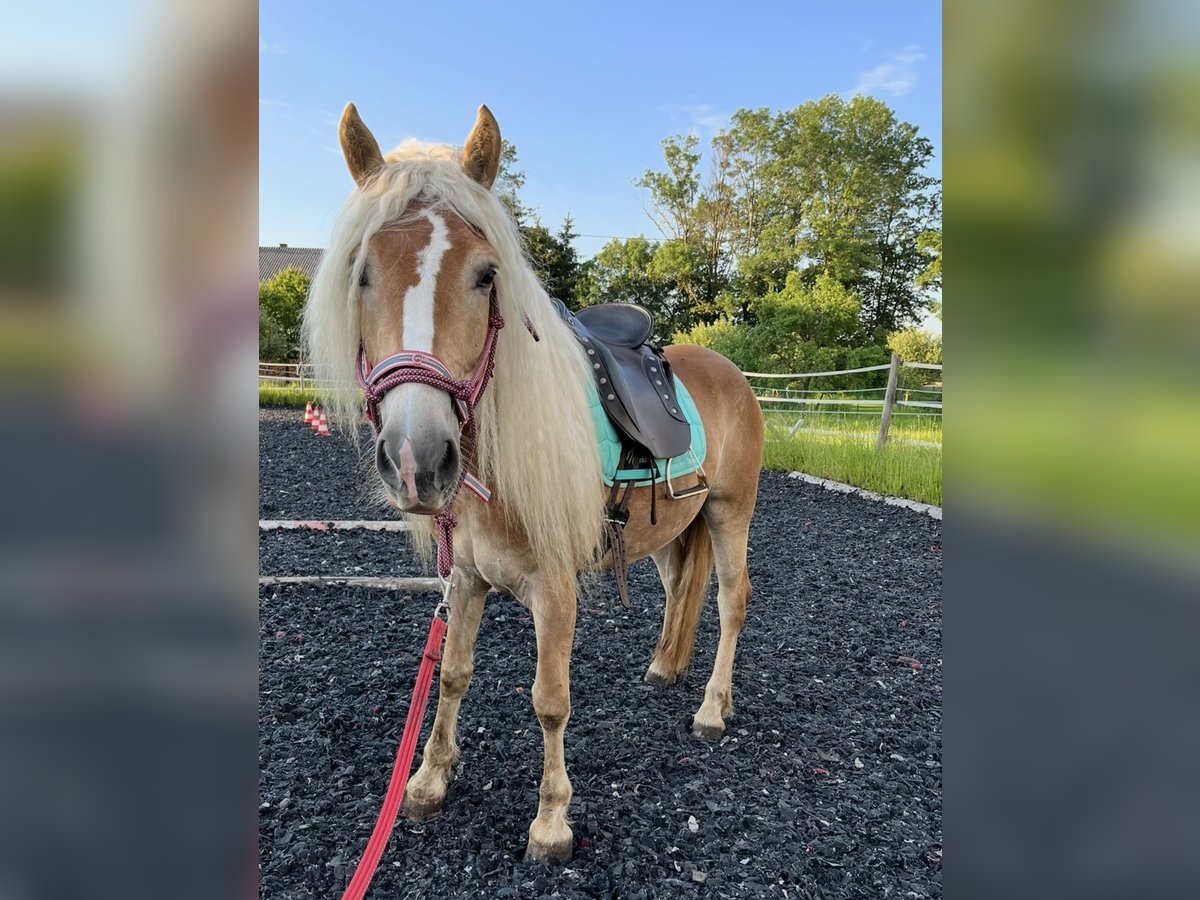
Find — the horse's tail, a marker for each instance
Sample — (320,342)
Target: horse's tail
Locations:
(688,587)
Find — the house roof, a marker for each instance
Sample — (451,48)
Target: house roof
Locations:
(273,260)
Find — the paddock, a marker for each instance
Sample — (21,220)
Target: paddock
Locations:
(827,782)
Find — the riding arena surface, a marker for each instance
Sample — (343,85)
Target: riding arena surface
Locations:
(827,782)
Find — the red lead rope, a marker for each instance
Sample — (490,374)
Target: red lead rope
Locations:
(357,888)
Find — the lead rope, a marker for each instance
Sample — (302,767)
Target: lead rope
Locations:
(466,394)
(361,880)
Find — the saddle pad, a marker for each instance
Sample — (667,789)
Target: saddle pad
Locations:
(609,441)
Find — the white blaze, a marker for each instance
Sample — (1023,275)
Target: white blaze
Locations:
(414,407)
(418,301)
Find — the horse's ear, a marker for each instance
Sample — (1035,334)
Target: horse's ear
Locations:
(359,146)
(481,154)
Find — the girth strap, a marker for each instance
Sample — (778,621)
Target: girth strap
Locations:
(616,516)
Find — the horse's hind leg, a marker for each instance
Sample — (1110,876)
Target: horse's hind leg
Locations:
(426,790)
(729,527)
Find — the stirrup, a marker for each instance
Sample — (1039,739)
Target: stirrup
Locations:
(699,488)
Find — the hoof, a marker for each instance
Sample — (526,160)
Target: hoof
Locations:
(549,853)
(420,810)
(708,732)
(659,679)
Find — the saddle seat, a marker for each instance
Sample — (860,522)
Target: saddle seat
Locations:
(633,377)
(617,324)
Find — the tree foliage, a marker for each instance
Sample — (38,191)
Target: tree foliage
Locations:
(732,340)
(509,181)
(796,329)
(799,240)
(281,301)
(627,271)
(930,243)
(695,215)
(833,187)
(272,342)
(916,345)
(554,258)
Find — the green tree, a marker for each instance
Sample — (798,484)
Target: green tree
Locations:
(554,258)
(626,270)
(826,314)
(509,181)
(916,345)
(281,298)
(834,187)
(800,328)
(272,342)
(696,217)
(930,243)
(734,341)
(797,329)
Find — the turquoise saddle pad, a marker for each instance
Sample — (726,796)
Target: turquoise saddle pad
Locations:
(609,442)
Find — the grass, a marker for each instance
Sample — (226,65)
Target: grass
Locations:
(285,395)
(1108,448)
(842,448)
(865,424)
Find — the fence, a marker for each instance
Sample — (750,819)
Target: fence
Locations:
(298,374)
(895,402)
(925,401)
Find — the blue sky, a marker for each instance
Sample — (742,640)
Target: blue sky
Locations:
(586,90)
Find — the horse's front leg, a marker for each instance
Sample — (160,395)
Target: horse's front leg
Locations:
(426,790)
(553,610)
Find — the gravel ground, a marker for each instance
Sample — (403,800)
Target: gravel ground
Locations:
(827,783)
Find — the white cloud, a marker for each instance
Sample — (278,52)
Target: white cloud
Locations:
(702,119)
(264,47)
(895,77)
(705,119)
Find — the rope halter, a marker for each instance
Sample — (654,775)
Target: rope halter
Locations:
(418,367)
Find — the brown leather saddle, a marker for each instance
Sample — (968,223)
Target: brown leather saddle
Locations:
(637,392)
(632,376)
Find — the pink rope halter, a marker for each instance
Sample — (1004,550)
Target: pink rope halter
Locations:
(417,367)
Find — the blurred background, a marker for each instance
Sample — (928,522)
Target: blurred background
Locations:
(1075,183)
(128,186)
(128,183)
(1072,221)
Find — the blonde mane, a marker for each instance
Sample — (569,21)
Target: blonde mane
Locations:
(537,446)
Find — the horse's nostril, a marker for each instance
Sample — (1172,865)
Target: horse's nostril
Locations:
(383,461)
(447,470)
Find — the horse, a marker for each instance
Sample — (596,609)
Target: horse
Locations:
(425,264)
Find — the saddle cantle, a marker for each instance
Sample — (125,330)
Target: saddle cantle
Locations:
(632,376)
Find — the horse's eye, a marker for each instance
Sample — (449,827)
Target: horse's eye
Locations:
(362,279)
(488,276)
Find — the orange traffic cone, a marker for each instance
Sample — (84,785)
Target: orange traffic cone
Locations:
(308,413)
(323,427)
(316,419)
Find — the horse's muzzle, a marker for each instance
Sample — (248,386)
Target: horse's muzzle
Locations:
(420,473)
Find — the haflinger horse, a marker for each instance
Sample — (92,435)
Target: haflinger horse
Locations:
(424,266)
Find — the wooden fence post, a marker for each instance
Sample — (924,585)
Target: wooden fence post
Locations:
(889,401)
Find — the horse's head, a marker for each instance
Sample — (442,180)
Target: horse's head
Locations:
(425,287)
